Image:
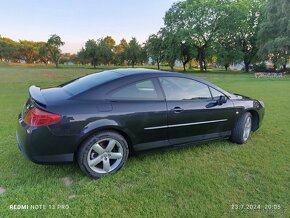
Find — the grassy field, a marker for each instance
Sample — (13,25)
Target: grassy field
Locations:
(196,181)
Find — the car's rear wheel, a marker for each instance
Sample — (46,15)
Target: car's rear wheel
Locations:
(242,129)
(103,154)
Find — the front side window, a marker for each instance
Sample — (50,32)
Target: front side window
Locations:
(215,93)
(177,88)
(144,90)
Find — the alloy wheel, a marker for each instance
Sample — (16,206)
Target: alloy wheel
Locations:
(247,129)
(105,155)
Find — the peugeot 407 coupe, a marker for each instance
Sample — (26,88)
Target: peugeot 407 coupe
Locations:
(99,118)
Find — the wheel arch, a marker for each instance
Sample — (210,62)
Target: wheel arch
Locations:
(255,119)
(102,129)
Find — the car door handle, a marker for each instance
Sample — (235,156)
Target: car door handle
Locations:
(178,109)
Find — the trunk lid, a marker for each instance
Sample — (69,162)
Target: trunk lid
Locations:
(44,98)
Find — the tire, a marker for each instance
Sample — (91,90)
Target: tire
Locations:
(242,130)
(103,154)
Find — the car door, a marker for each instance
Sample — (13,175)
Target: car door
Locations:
(192,112)
(139,106)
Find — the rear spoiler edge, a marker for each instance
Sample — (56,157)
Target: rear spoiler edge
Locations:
(35,94)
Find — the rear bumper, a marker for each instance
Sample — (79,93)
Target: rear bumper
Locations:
(40,146)
(20,146)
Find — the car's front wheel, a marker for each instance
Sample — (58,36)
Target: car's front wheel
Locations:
(102,154)
(242,129)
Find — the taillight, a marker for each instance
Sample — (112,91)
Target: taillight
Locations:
(37,117)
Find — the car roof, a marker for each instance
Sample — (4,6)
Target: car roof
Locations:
(152,72)
(142,72)
(138,71)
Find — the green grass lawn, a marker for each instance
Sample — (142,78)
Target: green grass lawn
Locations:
(196,181)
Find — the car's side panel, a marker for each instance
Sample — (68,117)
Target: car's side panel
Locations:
(196,120)
(135,116)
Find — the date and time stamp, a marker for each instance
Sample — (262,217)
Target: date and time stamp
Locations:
(256,207)
(233,207)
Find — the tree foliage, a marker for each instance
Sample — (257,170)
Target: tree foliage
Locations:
(119,51)
(246,19)
(171,47)
(197,21)
(133,52)
(92,52)
(274,34)
(53,46)
(23,50)
(155,48)
(227,50)
(210,31)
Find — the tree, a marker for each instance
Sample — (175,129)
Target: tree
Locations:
(198,21)
(186,53)
(143,56)
(8,48)
(155,48)
(171,47)
(43,54)
(133,52)
(29,51)
(274,34)
(53,46)
(119,51)
(92,52)
(247,19)
(109,42)
(82,57)
(106,46)
(227,50)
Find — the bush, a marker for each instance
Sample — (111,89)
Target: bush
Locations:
(260,67)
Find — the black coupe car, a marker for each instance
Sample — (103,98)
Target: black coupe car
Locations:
(99,118)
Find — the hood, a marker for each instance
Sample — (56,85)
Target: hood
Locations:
(239,96)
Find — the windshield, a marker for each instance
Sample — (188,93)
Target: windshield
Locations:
(87,82)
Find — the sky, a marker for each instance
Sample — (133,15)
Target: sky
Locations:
(76,21)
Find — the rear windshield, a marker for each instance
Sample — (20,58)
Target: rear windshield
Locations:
(87,82)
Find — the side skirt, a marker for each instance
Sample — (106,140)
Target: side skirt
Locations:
(180,142)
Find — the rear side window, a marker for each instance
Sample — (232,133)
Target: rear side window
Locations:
(143,90)
(177,88)
(87,82)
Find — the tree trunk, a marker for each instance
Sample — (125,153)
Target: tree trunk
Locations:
(226,67)
(184,63)
(204,64)
(190,65)
(201,58)
(247,67)
(284,67)
(200,64)
(158,65)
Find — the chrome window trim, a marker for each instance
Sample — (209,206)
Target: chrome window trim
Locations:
(184,124)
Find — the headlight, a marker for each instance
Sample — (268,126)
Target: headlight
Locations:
(262,103)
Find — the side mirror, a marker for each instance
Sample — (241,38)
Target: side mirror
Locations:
(222,99)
